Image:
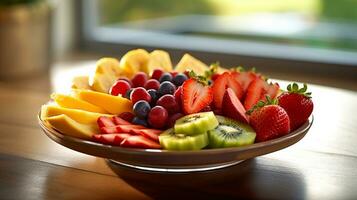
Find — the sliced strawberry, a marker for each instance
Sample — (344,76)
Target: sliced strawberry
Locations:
(152,134)
(178,94)
(108,130)
(139,141)
(195,96)
(119,121)
(272,89)
(104,121)
(244,78)
(112,139)
(255,92)
(224,81)
(128,128)
(232,107)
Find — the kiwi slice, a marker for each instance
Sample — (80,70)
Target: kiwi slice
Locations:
(171,141)
(230,133)
(196,123)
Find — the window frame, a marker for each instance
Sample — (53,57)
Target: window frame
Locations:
(274,56)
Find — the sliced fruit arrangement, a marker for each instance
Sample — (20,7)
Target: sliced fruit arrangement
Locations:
(118,132)
(230,133)
(142,101)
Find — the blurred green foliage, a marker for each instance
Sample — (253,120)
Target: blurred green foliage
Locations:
(113,11)
(16,2)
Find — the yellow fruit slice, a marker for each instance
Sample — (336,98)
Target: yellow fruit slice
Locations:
(134,61)
(188,62)
(79,116)
(158,60)
(67,101)
(70,127)
(106,73)
(81,82)
(112,104)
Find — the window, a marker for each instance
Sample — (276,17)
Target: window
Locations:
(307,30)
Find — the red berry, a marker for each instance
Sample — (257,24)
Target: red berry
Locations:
(158,117)
(126,79)
(128,116)
(173,118)
(195,96)
(152,84)
(232,107)
(173,74)
(139,79)
(298,104)
(140,94)
(245,78)
(269,122)
(177,95)
(224,81)
(157,73)
(214,77)
(119,87)
(206,109)
(169,103)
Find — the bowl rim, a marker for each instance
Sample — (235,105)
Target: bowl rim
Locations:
(302,129)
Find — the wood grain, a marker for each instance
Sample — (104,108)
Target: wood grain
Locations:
(27,179)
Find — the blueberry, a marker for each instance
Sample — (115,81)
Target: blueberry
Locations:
(141,109)
(166,87)
(139,121)
(128,92)
(179,79)
(154,96)
(165,77)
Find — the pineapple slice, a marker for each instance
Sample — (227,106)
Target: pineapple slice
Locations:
(106,73)
(188,62)
(110,103)
(158,59)
(70,127)
(134,61)
(81,82)
(79,116)
(67,101)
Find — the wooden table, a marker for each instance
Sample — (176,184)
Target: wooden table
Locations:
(323,165)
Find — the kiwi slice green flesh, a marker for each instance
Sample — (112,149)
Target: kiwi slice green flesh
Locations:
(230,133)
(171,141)
(196,123)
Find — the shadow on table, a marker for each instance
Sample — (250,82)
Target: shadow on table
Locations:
(251,179)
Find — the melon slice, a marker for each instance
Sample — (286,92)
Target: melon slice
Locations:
(106,73)
(134,61)
(79,116)
(158,60)
(70,127)
(67,101)
(81,82)
(112,104)
(188,62)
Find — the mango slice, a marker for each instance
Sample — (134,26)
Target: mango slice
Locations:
(158,60)
(79,116)
(134,61)
(188,62)
(106,73)
(67,101)
(112,104)
(70,127)
(81,82)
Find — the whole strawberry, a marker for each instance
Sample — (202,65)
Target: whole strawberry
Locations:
(297,103)
(269,120)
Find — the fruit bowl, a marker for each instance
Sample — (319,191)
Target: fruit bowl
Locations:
(176,161)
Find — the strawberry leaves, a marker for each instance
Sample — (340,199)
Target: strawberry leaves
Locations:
(294,88)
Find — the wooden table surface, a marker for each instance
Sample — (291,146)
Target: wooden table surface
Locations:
(323,165)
